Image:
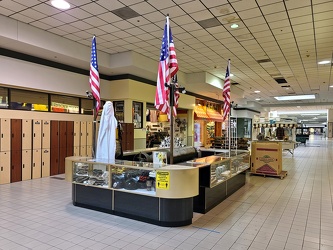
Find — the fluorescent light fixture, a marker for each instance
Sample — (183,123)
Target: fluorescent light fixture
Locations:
(294,97)
(309,114)
(257,91)
(257,99)
(314,118)
(60,4)
(324,62)
(331,86)
(234,26)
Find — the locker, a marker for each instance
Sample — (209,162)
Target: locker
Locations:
(16,134)
(77,134)
(54,161)
(26,165)
(26,134)
(54,150)
(83,151)
(83,134)
(45,162)
(70,138)
(36,163)
(62,146)
(4,167)
(5,134)
(89,151)
(37,134)
(46,128)
(16,165)
(76,151)
(90,133)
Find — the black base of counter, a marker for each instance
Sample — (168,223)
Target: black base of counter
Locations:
(208,198)
(153,210)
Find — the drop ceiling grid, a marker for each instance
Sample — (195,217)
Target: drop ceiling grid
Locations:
(273,37)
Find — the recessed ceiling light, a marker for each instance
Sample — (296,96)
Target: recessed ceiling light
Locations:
(331,86)
(231,75)
(324,62)
(308,114)
(234,26)
(294,97)
(257,99)
(60,4)
(257,91)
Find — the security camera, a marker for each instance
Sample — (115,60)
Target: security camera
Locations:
(89,95)
(184,91)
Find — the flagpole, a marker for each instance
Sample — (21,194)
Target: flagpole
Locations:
(95,113)
(171,97)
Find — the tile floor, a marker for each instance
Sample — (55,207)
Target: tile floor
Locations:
(267,213)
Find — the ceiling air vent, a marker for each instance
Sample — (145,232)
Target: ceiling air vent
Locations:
(209,23)
(125,13)
(264,61)
(280,80)
(285,86)
(234,83)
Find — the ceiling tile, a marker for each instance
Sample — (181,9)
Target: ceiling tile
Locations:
(52,21)
(301,20)
(297,4)
(78,2)
(111,5)
(192,7)
(201,15)
(41,25)
(83,34)
(276,17)
(68,28)
(59,32)
(22,18)
(29,3)
(279,24)
(14,6)
(273,8)
(143,8)
(78,13)
(300,12)
(244,5)
(65,17)
(132,39)
(46,9)
(135,31)
(138,21)
(109,28)
(121,34)
(33,14)
(109,17)
(96,21)
(123,25)
(248,14)
(191,26)
(160,5)
(94,8)
(222,10)
(81,25)
(324,7)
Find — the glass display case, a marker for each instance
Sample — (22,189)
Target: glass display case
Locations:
(138,190)
(138,177)
(91,174)
(226,168)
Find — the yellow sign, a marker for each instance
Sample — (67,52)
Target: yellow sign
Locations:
(163,180)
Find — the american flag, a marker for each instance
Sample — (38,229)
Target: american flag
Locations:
(94,76)
(167,68)
(226,93)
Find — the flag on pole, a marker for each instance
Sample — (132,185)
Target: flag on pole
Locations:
(167,68)
(226,93)
(94,76)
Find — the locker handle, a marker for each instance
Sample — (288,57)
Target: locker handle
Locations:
(43,134)
(23,165)
(23,134)
(34,134)
(1,168)
(34,164)
(1,135)
(43,163)
(12,166)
